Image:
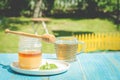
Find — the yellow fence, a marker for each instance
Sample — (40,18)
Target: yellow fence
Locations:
(100,41)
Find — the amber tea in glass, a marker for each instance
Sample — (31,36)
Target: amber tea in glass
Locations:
(66,48)
(29,54)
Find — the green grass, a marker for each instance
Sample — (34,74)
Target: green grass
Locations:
(58,27)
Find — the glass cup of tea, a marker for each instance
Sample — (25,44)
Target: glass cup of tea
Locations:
(29,55)
(66,48)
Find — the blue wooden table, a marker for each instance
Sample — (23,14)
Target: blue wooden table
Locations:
(93,66)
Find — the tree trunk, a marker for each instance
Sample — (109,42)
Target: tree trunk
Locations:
(37,10)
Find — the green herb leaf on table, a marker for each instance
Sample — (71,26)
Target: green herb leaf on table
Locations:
(48,66)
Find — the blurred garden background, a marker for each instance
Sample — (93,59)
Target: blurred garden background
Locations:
(66,18)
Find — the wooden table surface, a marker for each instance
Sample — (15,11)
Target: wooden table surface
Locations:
(89,66)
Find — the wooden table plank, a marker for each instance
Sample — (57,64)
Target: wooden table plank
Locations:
(72,74)
(97,66)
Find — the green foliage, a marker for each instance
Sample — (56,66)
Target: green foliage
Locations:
(3,4)
(32,4)
(4,23)
(107,5)
(102,5)
(65,4)
(61,6)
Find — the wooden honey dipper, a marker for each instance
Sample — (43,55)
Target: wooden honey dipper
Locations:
(45,37)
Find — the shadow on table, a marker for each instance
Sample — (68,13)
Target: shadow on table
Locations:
(7,67)
(44,77)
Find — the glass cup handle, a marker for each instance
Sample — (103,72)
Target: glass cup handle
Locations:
(83,46)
